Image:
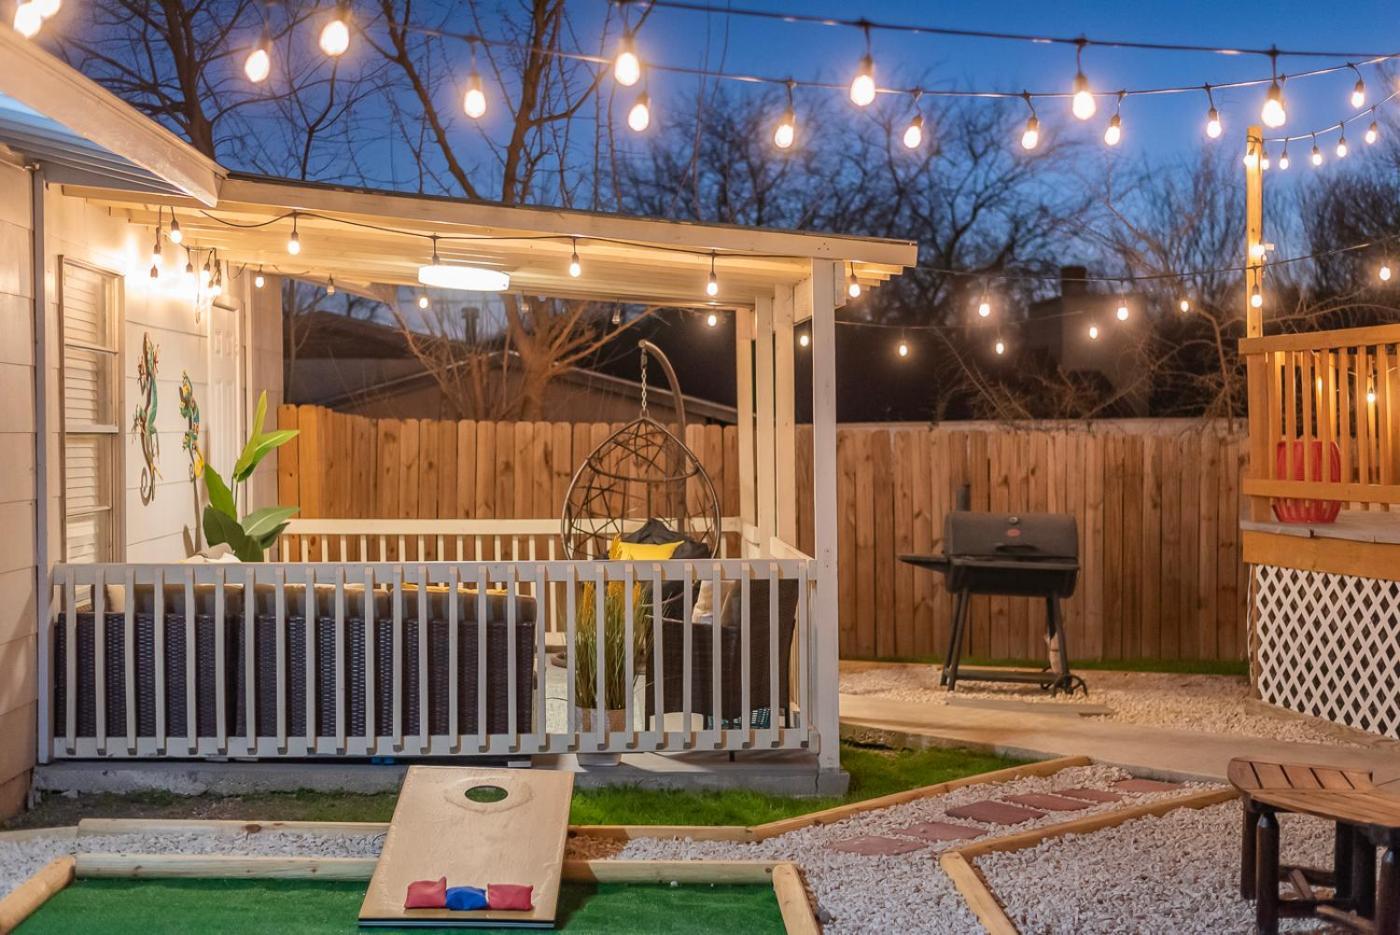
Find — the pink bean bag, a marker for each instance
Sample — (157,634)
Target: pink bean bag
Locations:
(426,894)
(509,896)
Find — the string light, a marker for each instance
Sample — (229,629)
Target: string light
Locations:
(863,84)
(259,280)
(1082,105)
(1274,114)
(902,349)
(1030,136)
(616,318)
(48,8)
(335,35)
(1122,312)
(639,117)
(1358,90)
(294,239)
(1283,161)
(712,319)
(1384,271)
(786,131)
(1000,347)
(852,285)
(1213,125)
(1184,304)
(575,267)
(1264,162)
(206,275)
(1114,132)
(258,65)
(155,248)
(177,236)
(28,19)
(712,285)
(914,133)
(1371,397)
(1316,156)
(474,101)
(1342,148)
(330,285)
(627,67)
(1373,132)
(804,339)
(984,307)
(1093,332)
(423,301)
(1256,298)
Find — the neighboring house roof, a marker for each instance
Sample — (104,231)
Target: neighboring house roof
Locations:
(375,361)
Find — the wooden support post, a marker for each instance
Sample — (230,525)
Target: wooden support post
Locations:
(1260,444)
(766,442)
(825,674)
(784,392)
(743,368)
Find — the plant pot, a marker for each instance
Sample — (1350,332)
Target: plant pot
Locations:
(616,722)
(1289,465)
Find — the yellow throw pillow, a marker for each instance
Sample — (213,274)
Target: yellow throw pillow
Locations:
(642,551)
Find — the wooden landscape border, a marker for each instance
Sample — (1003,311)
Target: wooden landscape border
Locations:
(785,877)
(961,866)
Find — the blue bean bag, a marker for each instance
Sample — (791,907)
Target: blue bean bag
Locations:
(465,898)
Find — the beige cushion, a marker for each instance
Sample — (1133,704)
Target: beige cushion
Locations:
(705,600)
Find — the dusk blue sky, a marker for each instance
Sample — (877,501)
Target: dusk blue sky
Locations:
(1168,125)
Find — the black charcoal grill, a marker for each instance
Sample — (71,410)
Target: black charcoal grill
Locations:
(1010,555)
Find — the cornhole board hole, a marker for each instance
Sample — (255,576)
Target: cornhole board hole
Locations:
(475,827)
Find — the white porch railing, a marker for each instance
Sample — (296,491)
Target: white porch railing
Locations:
(380,658)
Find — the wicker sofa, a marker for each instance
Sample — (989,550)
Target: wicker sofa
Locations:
(391,675)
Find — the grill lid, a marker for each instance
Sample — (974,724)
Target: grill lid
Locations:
(1026,537)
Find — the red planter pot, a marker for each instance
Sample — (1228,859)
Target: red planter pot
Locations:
(1289,465)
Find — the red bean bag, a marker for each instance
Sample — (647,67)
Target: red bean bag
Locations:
(509,896)
(426,894)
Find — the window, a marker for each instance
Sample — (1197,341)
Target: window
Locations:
(92,468)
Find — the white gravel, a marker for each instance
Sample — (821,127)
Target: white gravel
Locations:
(1216,704)
(904,893)
(1175,873)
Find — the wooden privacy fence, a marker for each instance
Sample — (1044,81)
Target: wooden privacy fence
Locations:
(1157,502)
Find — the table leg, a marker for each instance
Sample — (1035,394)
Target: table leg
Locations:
(1388,909)
(1341,861)
(1248,850)
(1363,875)
(1266,874)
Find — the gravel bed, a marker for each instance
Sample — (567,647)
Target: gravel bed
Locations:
(1178,873)
(1216,704)
(903,893)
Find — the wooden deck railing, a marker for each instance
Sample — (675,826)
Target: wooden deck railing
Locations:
(425,658)
(1332,393)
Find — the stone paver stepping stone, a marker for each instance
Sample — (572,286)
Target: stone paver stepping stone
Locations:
(996,813)
(942,831)
(876,846)
(1049,803)
(1145,785)
(1091,795)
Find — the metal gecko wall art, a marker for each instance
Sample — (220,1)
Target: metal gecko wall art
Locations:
(189,410)
(144,422)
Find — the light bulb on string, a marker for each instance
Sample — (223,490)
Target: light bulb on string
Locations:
(627,67)
(177,236)
(616,318)
(984,308)
(1283,161)
(804,339)
(1264,162)
(1384,271)
(1373,132)
(1342,148)
(155,247)
(1213,125)
(712,320)
(1030,136)
(1251,159)
(1082,104)
(712,284)
(639,117)
(1122,312)
(206,274)
(28,19)
(1256,298)
(330,285)
(1093,332)
(189,268)
(902,348)
(423,301)
(1371,397)
(1274,114)
(1000,347)
(1358,90)
(785,133)
(863,84)
(294,239)
(852,285)
(474,100)
(1113,133)
(1316,156)
(914,133)
(1184,305)
(335,35)
(258,65)
(575,267)
(259,280)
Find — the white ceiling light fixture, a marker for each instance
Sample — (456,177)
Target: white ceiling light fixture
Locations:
(463,278)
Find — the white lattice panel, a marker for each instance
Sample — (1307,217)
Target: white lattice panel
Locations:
(1329,646)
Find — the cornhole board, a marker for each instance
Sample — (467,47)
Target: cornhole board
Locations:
(438,831)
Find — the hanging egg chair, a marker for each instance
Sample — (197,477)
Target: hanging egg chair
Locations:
(640,478)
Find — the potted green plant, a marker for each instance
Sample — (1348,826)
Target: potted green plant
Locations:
(249,537)
(616,686)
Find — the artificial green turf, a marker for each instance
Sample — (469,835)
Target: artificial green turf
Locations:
(296,907)
(873,772)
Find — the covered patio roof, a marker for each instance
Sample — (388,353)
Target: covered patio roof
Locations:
(364,237)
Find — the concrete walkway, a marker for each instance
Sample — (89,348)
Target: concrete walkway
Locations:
(1146,751)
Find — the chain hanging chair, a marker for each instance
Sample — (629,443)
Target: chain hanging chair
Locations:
(641,472)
